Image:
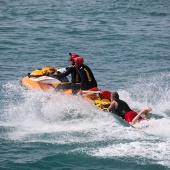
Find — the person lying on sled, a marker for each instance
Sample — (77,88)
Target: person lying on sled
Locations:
(87,78)
(75,78)
(122,109)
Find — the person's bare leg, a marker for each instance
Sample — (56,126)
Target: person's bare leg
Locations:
(147,113)
(136,118)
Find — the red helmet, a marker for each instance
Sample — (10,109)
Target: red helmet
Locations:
(79,61)
(72,56)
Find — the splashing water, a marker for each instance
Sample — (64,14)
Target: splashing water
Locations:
(36,116)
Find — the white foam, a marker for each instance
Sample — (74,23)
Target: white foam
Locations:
(55,118)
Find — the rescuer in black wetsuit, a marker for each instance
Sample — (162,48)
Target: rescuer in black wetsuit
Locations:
(75,78)
(87,78)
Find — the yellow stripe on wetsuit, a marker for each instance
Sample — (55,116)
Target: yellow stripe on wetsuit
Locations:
(88,75)
(77,75)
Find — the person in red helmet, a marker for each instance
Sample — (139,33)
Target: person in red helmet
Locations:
(88,80)
(122,109)
(75,78)
(72,56)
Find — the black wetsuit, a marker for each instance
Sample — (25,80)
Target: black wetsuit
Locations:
(75,78)
(122,108)
(87,78)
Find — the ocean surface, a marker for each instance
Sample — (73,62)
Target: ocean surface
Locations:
(127,46)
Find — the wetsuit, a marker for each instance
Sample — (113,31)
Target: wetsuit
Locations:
(87,78)
(75,79)
(123,110)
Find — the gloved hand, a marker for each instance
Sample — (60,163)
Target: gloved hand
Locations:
(55,73)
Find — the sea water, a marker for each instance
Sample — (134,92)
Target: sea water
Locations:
(127,46)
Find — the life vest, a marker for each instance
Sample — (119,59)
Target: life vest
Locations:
(87,78)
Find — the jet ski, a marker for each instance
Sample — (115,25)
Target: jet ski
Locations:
(44,79)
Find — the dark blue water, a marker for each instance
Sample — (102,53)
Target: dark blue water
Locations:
(127,46)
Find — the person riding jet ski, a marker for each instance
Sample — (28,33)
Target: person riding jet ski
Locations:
(75,78)
(88,80)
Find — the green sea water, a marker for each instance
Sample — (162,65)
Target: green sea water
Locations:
(127,46)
